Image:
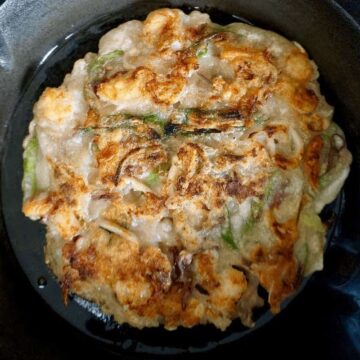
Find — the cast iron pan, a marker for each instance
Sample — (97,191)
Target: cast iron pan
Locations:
(325,30)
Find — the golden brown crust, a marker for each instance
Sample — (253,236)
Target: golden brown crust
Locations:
(312,160)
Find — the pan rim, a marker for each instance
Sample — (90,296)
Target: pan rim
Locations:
(337,8)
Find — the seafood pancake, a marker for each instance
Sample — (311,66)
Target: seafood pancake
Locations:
(181,168)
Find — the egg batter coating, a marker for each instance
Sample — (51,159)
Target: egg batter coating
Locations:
(182,167)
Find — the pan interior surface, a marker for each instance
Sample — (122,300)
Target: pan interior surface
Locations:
(27,238)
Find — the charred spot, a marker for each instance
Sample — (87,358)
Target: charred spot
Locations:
(103,196)
(206,131)
(181,269)
(194,188)
(270,130)
(201,290)
(247,104)
(186,293)
(239,268)
(171,252)
(171,129)
(278,230)
(195,33)
(65,285)
(259,254)
(221,36)
(154,156)
(278,198)
(107,179)
(315,123)
(305,99)
(58,203)
(153,135)
(86,272)
(233,187)
(159,279)
(313,156)
(312,159)
(167,27)
(66,189)
(200,131)
(109,151)
(83,262)
(251,135)
(234,157)
(286,233)
(76,238)
(195,147)
(282,162)
(129,170)
(116,176)
(180,182)
(204,207)
(231,114)
(242,270)
(218,202)
(69,249)
(98,85)
(57,171)
(268,56)
(282,255)
(310,95)
(248,75)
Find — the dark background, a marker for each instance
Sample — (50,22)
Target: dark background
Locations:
(324,322)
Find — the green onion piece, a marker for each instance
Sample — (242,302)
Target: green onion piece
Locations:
(258,206)
(29,168)
(248,226)
(324,181)
(87,129)
(303,254)
(255,213)
(154,119)
(311,220)
(96,69)
(152,179)
(270,187)
(260,118)
(94,147)
(163,168)
(227,233)
(201,52)
(330,131)
(228,237)
(256,209)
